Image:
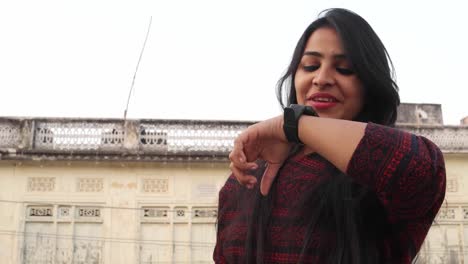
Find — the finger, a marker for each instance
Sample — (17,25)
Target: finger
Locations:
(242,177)
(246,165)
(237,156)
(268,177)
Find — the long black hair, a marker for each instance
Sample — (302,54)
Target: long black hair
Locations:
(368,57)
(347,209)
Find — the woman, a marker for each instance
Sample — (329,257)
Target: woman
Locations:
(331,180)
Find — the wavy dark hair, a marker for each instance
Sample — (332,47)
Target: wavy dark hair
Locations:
(349,210)
(368,57)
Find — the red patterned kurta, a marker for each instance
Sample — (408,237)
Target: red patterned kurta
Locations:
(407,172)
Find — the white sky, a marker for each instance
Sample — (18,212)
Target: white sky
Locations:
(206,59)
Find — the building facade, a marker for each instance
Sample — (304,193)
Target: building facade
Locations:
(145,191)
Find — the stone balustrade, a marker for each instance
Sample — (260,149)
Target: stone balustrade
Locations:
(117,139)
(146,139)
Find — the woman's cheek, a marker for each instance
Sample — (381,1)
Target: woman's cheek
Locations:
(301,91)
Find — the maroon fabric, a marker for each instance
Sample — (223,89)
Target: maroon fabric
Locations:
(407,173)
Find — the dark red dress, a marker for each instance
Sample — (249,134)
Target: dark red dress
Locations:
(406,172)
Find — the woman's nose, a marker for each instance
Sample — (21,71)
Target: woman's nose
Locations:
(324,78)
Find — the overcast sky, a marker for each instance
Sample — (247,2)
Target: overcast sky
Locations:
(206,59)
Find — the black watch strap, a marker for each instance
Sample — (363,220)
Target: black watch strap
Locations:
(291,117)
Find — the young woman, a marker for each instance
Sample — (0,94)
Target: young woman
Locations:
(331,180)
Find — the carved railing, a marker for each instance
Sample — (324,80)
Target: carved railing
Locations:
(113,138)
(9,134)
(153,139)
(450,139)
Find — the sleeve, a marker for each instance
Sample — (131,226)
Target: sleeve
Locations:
(234,208)
(223,218)
(407,172)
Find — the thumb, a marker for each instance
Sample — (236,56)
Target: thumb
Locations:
(268,177)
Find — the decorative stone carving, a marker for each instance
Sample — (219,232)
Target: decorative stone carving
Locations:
(159,140)
(40,211)
(180,212)
(448,139)
(90,185)
(44,135)
(155,212)
(64,212)
(41,184)
(85,212)
(180,136)
(446,214)
(78,135)
(465,213)
(113,137)
(9,135)
(50,239)
(161,137)
(155,185)
(205,213)
(154,137)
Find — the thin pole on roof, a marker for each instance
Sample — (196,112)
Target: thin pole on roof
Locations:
(136,70)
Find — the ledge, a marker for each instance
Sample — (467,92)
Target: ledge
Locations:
(153,140)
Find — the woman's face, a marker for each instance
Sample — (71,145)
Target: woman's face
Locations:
(325,79)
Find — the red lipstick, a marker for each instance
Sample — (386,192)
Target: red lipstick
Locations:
(322,101)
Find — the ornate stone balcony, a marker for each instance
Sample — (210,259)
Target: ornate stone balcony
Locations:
(114,139)
(149,140)
(450,139)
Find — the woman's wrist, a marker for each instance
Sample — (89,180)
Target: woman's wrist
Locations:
(291,117)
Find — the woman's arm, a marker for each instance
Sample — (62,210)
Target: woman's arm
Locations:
(334,139)
(406,171)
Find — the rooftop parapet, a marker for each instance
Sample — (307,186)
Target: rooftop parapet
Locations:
(148,140)
(116,139)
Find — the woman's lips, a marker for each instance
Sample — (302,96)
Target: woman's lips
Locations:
(317,105)
(322,101)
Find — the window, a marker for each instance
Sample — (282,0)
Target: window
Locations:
(62,234)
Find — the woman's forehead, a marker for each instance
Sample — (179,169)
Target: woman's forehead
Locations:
(324,41)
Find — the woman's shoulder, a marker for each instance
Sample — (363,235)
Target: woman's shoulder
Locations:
(377,135)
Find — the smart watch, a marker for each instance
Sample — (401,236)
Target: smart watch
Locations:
(291,116)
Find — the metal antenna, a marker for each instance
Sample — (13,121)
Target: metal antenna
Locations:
(136,70)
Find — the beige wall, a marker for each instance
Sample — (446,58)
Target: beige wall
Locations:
(447,240)
(111,234)
(178,199)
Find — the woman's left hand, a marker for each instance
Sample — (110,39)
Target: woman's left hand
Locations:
(264,140)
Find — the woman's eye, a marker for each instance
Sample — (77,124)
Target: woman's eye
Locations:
(311,68)
(345,71)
